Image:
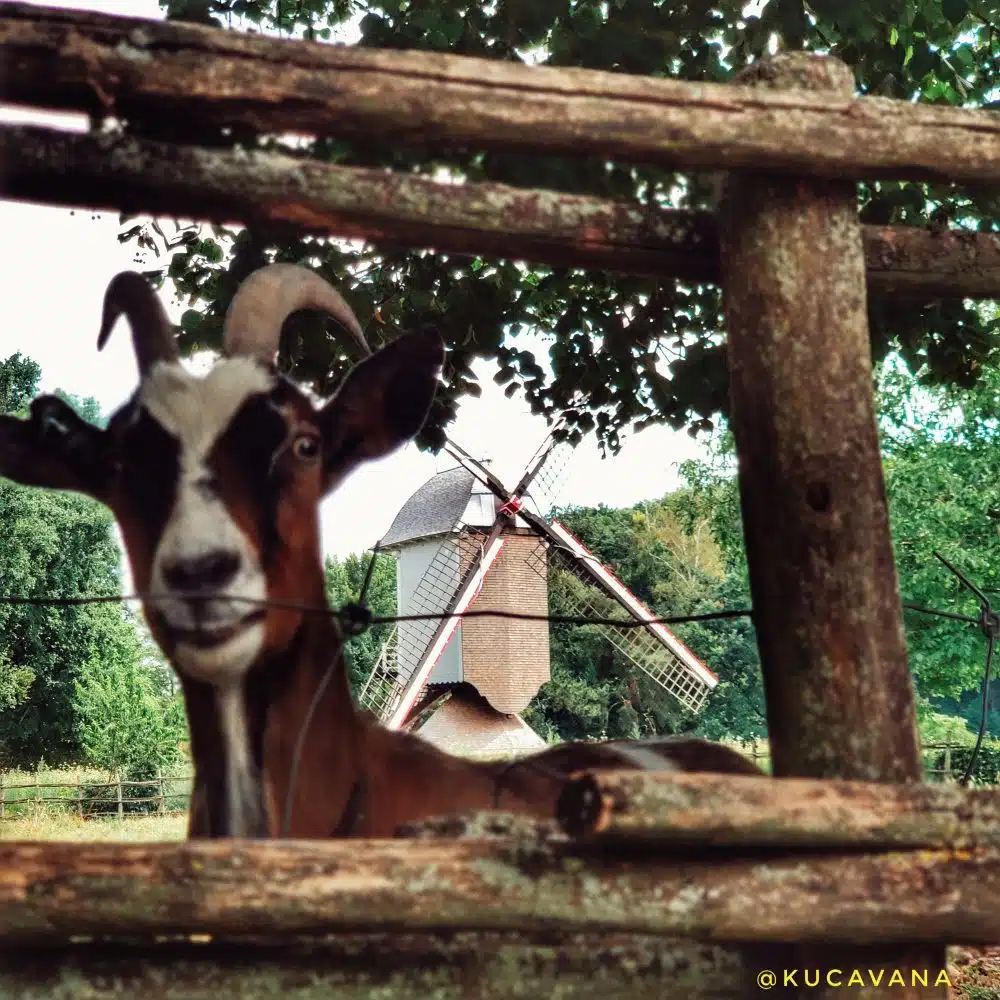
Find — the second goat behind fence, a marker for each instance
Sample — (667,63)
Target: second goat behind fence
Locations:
(216,484)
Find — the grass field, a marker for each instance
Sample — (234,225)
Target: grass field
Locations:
(43,824)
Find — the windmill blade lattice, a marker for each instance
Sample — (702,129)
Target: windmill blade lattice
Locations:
(402,667)
(639,646)
(389,678)
(672,666)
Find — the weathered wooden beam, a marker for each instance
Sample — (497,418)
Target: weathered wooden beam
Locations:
(778,813)
(383,967)
(827,611)
(153,71)
(123,173)
(278,889)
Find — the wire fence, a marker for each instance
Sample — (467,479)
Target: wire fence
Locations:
(355,618)
(24,794)
(943,761)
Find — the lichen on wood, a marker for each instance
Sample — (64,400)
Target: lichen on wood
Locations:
(50,892)
(630,807)
(379,967)
(150,71)
(827,613)
(126,173)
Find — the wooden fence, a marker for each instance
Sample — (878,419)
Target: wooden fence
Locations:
(694,887)
(95,798)
(759,752)
(121,796)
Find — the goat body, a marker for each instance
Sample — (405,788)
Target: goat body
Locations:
(216,483)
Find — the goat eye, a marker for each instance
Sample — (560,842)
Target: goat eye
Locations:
(305,448)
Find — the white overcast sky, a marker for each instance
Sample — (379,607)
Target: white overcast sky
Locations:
(57,264)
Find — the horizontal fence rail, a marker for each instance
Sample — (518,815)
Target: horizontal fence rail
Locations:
(83,797)
(241,889)
(144,70)
(673,809)
(453,966)
(933,752)
(125,173)
(94,798)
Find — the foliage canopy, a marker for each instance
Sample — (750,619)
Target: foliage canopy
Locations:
(637,350)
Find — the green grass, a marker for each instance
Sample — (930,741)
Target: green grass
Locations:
(45,824)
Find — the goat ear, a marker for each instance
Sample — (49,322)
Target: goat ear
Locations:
(382,403)
(54,448)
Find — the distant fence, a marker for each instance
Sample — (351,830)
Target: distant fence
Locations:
(168,793)
(942,761)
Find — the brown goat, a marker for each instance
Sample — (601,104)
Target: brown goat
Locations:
(216,484)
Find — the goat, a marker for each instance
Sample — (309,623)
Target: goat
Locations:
(215,483)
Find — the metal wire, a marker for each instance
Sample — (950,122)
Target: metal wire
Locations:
(314,704)
(354,618)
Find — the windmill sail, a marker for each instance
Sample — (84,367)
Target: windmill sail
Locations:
(395,684)
(652,648)
(414,648)
(384,687)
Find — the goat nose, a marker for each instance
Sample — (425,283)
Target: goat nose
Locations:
(213,570)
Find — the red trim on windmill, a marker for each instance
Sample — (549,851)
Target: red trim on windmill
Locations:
(512,506)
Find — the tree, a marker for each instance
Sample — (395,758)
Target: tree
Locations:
(344,581)
(942,448)
(667,554)
(636,350)
(124,725)
(54,544)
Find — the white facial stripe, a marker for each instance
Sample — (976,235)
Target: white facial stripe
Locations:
(197,411)
(240,780)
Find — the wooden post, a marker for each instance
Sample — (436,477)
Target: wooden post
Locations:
(118,788)
(3,805)
(822,575)
(161,805)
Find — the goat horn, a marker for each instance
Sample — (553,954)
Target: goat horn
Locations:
(268,297)
(152,335)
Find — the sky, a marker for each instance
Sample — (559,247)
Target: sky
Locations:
(57,264)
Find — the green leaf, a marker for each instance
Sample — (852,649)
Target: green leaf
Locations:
(955,10)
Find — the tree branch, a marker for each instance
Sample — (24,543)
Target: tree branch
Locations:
(153,72)
(49,891)
(392,209)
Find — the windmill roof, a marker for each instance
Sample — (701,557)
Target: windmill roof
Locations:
(440,503)
(433,509)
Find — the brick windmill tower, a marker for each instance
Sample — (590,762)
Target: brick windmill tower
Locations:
(464,542)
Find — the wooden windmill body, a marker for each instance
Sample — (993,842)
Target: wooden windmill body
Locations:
(490,668)
(464,542)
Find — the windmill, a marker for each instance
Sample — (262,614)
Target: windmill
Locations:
(464,541)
